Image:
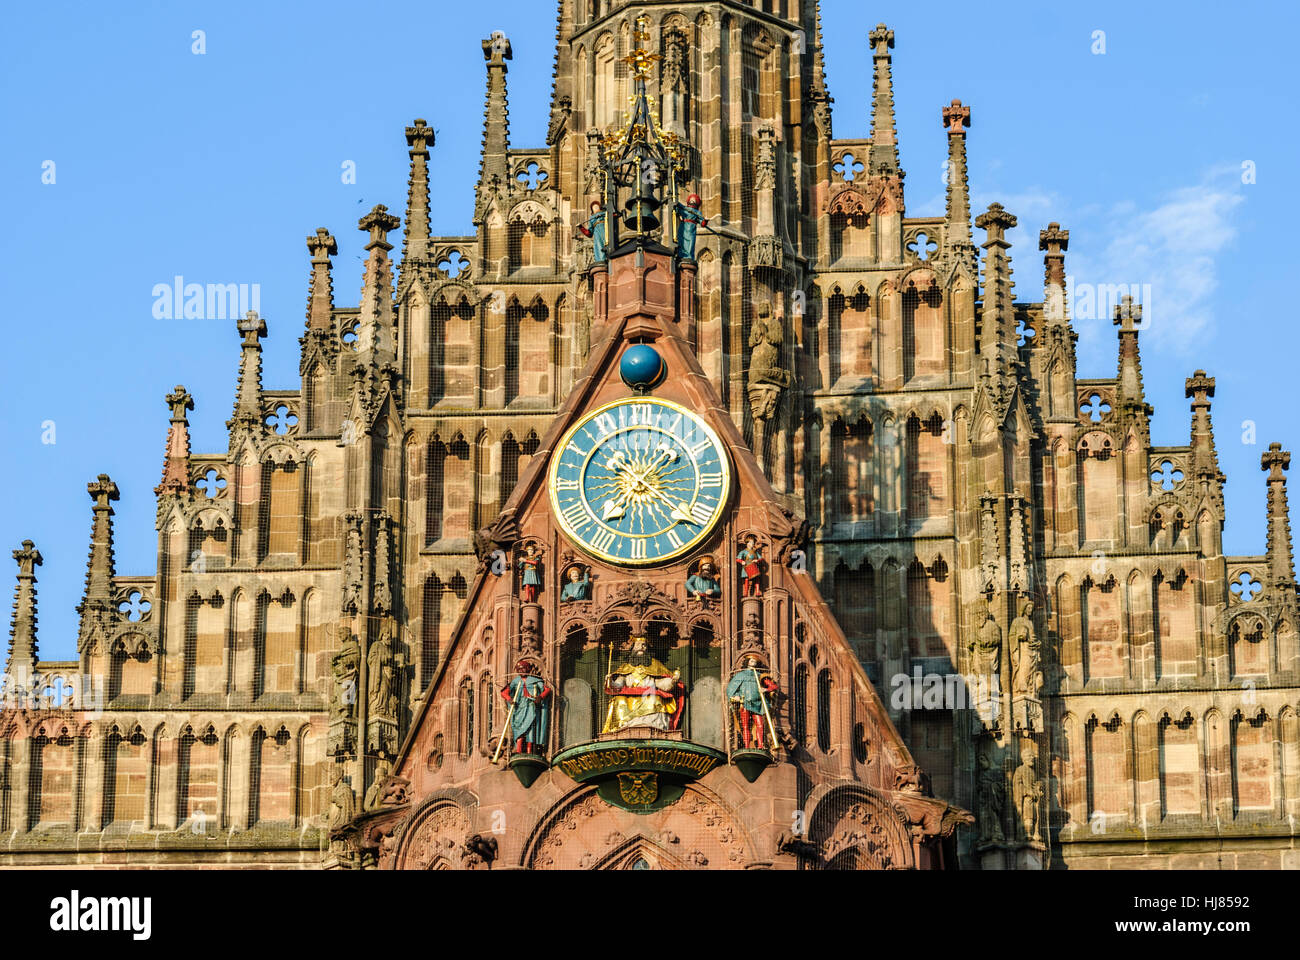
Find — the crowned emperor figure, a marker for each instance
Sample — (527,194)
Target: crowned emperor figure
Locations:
(643,693)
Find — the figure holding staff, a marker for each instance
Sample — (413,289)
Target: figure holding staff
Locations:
(530,710)
(748,690)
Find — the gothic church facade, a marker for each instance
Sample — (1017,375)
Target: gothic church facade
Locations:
(927,455)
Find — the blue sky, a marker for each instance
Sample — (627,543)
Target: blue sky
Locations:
(217,166)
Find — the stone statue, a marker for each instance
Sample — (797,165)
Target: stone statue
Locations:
(992,799)
(373,795)
(704,583)
(765,338)
(1026,655)
(1027,793)
(766,377)
(986,645)
(379,664)
(343,802)
(579,584)
(345,664)
(643,693)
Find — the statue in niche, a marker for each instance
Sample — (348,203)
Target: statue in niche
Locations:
(643,693)
(530,569)
(343,802)
(986,644)
(765,338)
(578,585)
(345,664)
(1027,793)
(381,676)
(751,692)
(752,565)
(1026,654)
(530,708)
(382,769)
(704,584)
(992,798)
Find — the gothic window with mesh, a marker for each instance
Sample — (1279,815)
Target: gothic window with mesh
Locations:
(799,703)
(855,606)
(851,454)
(466,717)
(259,643)
(192,605)
(434,473)
(439,317)
(280,516)
(430,629)
(824,710)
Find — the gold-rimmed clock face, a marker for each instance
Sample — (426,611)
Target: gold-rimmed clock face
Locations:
(639,481)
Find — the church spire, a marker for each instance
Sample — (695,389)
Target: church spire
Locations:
(1128,317)
(1054,242)
(957,236)
(884,137)
(176,462)
(100,568)
(22,630)
(375,333)
(415,243)
(820,96)
(320,300)
(1205,460)
(248,397)
(1281,571)
(496,114)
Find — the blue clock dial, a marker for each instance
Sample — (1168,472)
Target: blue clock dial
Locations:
(639,481)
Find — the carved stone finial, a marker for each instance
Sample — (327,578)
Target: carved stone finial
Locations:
(179,401)
(1054,240)
(1128,315)
(881,39)
(380,223)
(996,221)
(1275,460)
(322,246)
(956,117)
(496,48)
(1200,388)
(420,137)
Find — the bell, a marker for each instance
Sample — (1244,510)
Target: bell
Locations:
(640,215)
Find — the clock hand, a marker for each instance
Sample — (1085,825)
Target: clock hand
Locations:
(677,509)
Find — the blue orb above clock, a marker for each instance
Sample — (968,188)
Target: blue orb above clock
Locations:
(642,368)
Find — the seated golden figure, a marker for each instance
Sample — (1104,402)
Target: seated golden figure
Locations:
(643,693)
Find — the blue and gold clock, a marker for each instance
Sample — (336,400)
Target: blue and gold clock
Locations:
(639,481)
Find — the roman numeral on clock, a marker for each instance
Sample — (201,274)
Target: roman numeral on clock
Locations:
(701,512)
(701,446)
(602,539)
(562,484)
(675,540)
(638,548)
(710,479)
(576,515)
